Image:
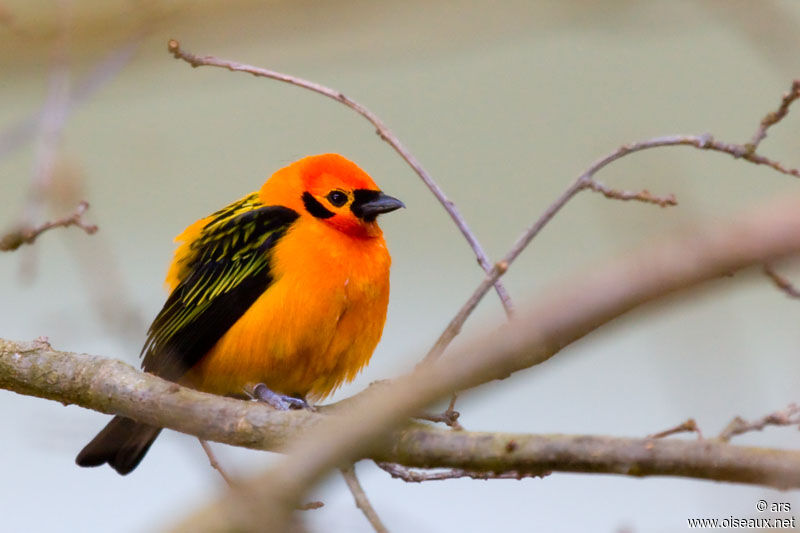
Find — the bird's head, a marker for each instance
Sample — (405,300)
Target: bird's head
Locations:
(332,190)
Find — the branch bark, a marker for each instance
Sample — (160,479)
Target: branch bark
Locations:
(114,387)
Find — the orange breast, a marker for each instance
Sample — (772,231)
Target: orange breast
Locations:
(315,327)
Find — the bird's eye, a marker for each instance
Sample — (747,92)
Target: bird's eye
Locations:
(337,198)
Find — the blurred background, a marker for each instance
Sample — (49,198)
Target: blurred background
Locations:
(505,103)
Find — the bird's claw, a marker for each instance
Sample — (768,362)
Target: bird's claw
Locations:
(281,402)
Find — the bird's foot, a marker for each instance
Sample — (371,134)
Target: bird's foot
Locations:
(281,402)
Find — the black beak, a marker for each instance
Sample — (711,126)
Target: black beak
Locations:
(367,205)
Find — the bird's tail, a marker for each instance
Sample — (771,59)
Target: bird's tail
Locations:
(122,444)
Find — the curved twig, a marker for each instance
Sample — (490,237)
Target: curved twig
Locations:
(380,129)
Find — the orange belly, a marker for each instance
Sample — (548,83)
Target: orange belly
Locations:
(315,326)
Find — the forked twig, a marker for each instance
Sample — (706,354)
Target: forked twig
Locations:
(16,238)
(449,416)
(785,417)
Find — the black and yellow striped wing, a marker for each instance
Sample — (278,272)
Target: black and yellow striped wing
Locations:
(226,269)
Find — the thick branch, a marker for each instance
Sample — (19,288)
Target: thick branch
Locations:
(113,387)
(527,455)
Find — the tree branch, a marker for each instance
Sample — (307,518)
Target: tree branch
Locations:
(27,235)
(113,387)
(774,117)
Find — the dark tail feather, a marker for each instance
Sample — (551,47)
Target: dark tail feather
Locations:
(122,444)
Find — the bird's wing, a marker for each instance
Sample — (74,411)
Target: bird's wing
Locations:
(220,274)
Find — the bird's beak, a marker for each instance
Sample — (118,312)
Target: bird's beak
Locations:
(382,203)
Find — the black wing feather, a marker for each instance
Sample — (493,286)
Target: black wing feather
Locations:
(227,269)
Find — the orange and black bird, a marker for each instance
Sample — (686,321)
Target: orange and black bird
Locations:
(285,289)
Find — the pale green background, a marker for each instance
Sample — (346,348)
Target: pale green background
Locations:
(504,103)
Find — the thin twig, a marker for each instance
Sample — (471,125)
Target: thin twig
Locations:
(689,426)
(449,416)
(362,502)
(774,117)
(212,459)
(380,129)
(16,238)
(785,417)
(781,282)
(411,475)
(639,196)
(311,506)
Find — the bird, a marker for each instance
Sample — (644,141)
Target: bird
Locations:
(282,294)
